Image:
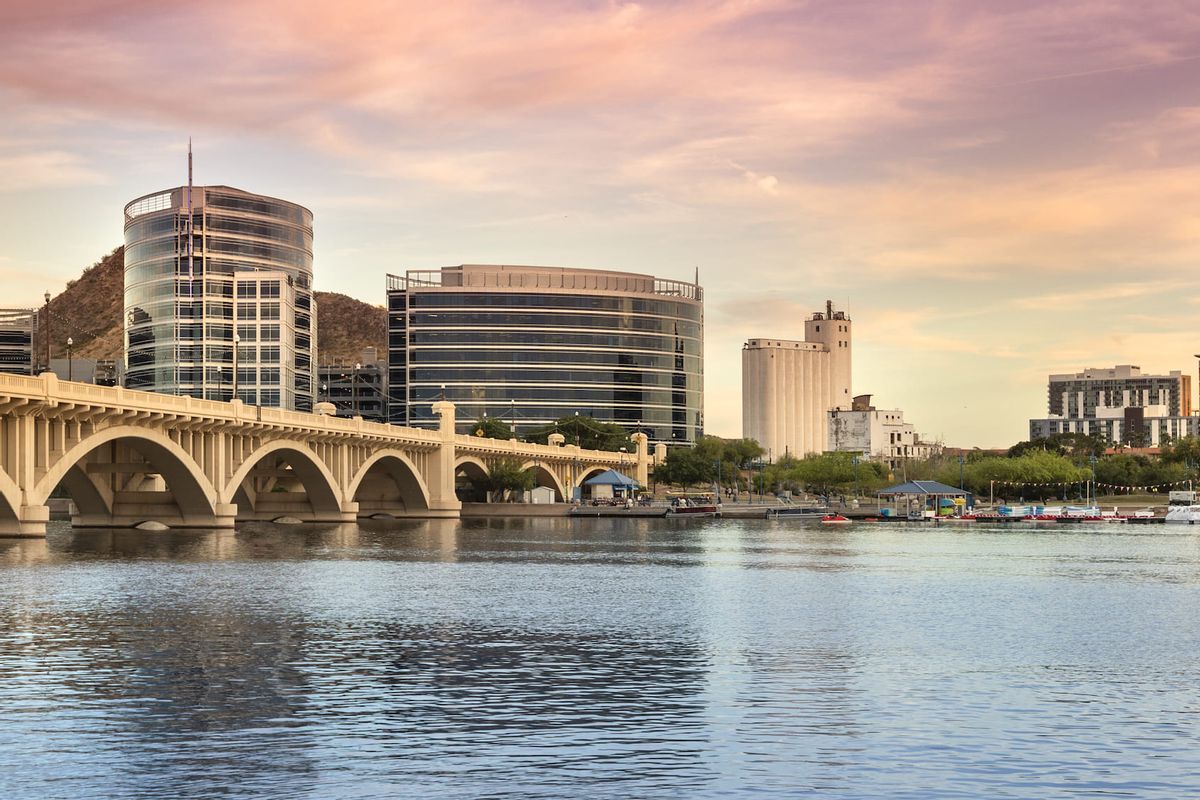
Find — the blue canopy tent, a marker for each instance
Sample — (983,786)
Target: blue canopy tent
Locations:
(918,497)
(622,485)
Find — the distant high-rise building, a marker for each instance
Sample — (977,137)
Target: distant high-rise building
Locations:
(203,263)
(16,340)
(1118,404)
(530,345)
(788,385)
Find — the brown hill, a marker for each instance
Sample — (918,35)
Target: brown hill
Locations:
(346,327)
(89,311)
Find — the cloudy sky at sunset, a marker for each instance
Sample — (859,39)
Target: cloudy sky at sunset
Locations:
(996,190)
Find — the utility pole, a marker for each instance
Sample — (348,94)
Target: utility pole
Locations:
(354,389)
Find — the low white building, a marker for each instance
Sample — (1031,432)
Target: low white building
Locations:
(878,434)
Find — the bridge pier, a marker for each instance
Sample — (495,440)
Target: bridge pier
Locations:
(130,514)
(443,502)
(30,523)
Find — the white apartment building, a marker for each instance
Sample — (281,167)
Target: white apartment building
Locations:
(1119,404)
(789,386)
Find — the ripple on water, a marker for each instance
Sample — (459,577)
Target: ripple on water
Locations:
(600,658)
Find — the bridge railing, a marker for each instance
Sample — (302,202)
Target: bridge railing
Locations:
(48,388)
(499,447)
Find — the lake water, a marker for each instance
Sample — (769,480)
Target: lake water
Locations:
(601,658)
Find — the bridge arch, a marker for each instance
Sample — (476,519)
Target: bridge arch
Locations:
(388,482)
(89,501)
(586,474)
(544,476)
(477,474)
(10,498)
(471,465)
(192,491)
(321,492)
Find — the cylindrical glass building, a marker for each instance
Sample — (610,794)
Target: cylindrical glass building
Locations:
(530,345)
(205,263)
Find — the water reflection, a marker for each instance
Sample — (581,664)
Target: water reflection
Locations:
(614,658)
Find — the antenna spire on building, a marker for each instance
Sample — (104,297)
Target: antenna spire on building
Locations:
(187,227)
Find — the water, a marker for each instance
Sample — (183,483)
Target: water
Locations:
(601,658)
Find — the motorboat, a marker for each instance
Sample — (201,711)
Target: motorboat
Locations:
(834,519)
(694,505)
(695,511)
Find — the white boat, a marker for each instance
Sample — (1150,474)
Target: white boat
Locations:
(1183,508)
(1183,515)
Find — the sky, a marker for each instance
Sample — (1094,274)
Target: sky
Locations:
(995,191)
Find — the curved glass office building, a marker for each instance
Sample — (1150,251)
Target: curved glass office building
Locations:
(532,344)
(218,296)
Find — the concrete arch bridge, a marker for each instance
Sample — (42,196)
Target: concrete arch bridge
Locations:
(126,457)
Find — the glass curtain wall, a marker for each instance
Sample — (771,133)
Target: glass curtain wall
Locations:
(184,249)
(530,357)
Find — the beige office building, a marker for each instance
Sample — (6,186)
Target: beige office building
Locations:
(788,386)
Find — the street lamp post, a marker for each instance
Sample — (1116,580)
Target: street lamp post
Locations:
(854,461)
(70,362)
(961,461)
(1197,356)
(1092,460)
(236,339)
(46,331)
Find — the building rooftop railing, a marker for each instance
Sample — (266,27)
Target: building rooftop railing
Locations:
(504,277)
(159,201)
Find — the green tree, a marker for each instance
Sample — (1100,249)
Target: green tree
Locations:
(1075,445)
(825,473)
(491,428)
(1185,450)
(689,466)
(506,477)
(1036,473)
(1123,469)
(683,467)
(709,457)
